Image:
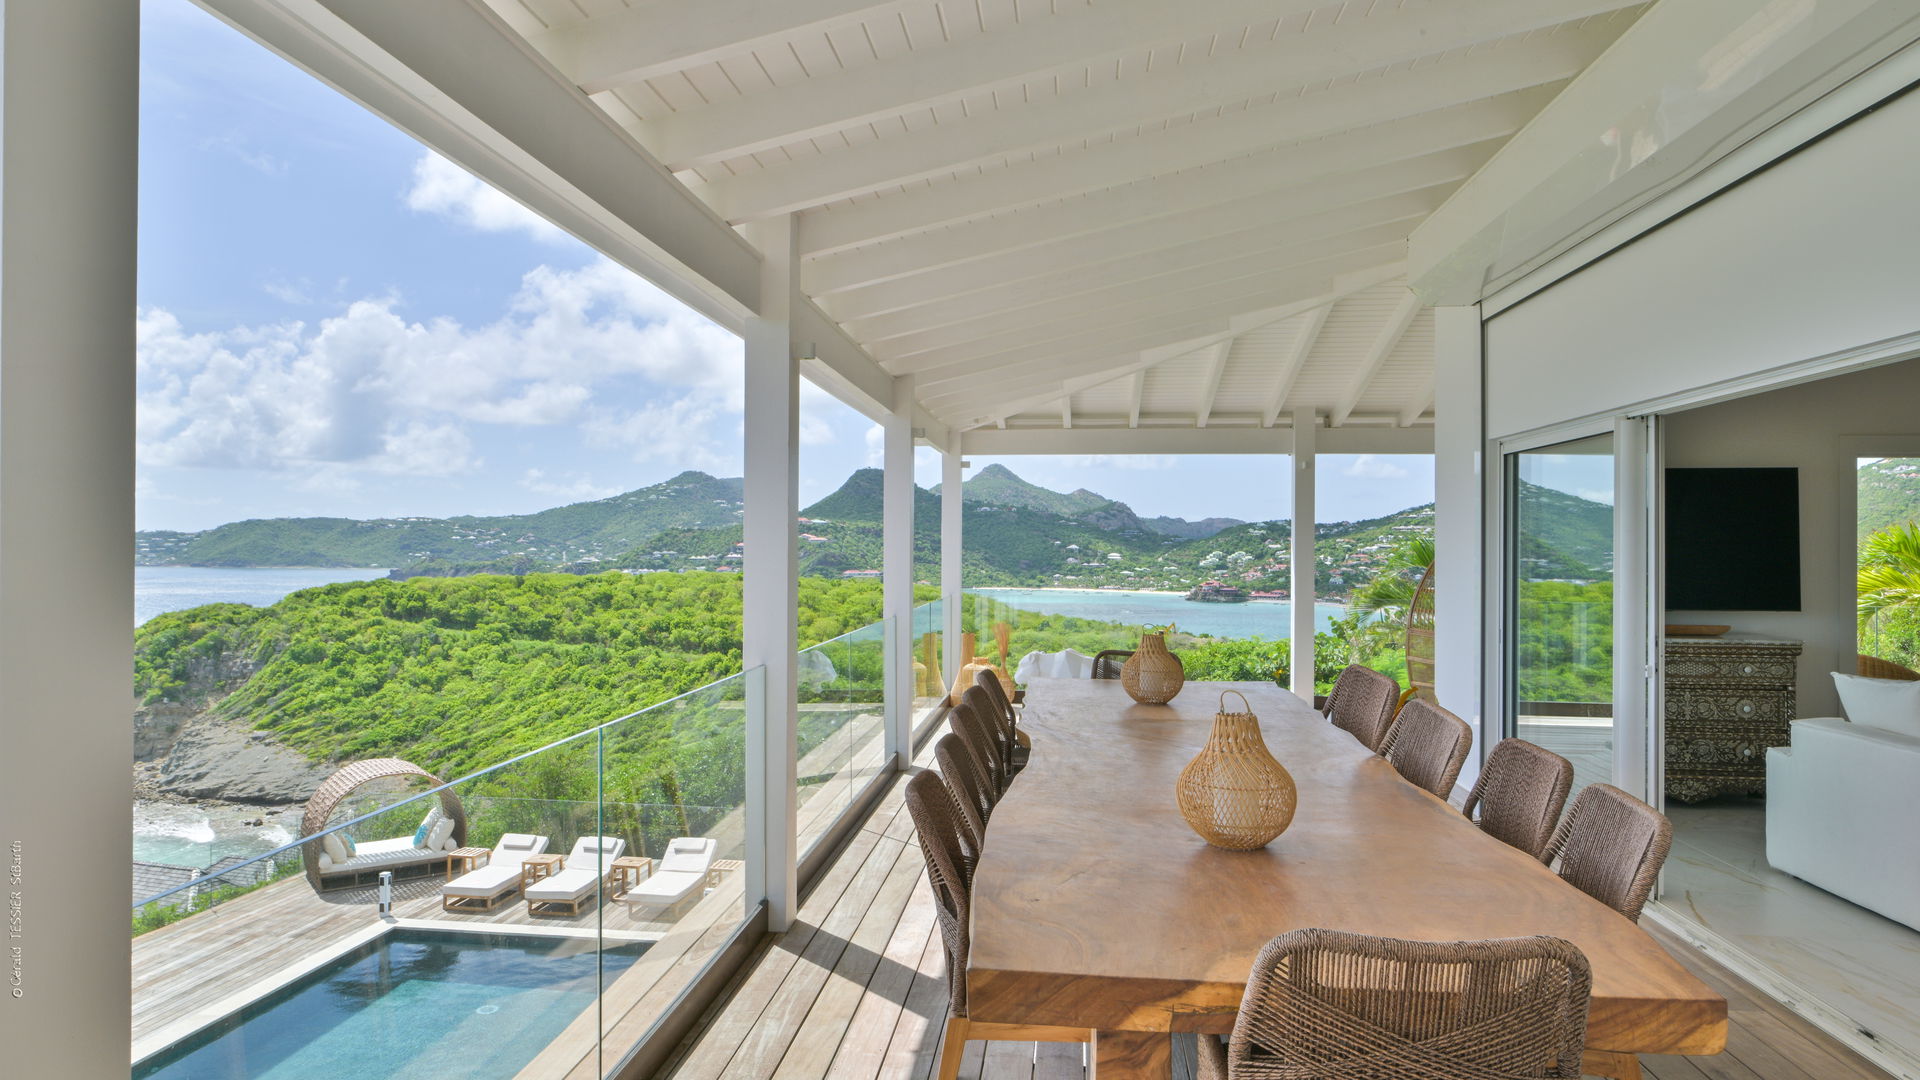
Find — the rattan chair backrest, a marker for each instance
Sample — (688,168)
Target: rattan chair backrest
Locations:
(1361,704)
(976,730)
(968,783)
(993,702)
(949,872)
(1428,745)
(1519,795)
(1611,847)
(977,699)
(1873,667)
(1108,662)
(1329,1005)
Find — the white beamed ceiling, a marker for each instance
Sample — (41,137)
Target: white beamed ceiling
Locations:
(1093,213)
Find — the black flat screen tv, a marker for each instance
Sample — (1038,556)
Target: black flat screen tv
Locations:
(1733,539)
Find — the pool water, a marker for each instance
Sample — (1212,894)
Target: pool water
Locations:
(417,1004)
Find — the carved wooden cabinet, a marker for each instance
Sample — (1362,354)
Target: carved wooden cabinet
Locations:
(1728,700)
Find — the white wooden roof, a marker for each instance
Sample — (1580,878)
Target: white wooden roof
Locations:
(1173,221)
(1059,212)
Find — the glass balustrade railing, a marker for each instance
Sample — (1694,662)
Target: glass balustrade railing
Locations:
(534,918)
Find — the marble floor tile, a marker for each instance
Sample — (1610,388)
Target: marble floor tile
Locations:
(1858,963)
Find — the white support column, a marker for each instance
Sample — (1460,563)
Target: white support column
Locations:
(770,606)
(1305,428)
(951,501)
(1459,514)
(896,567)
(67,196)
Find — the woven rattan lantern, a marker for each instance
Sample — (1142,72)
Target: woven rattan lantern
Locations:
(1152,675)
(1234,794)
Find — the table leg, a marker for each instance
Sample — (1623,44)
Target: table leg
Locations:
(1132,1055)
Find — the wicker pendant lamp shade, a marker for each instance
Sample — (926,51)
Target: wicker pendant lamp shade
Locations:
(1234,794)
(1152,675)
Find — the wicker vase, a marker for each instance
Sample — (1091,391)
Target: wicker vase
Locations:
(1234,794)
(974,667)
(1152,675)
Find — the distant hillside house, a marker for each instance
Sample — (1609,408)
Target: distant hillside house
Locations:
(859,573)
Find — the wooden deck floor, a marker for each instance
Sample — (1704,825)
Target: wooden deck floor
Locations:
(857,989)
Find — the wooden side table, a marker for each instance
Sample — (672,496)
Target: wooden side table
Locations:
(535,867)
(628,871)
(469,858)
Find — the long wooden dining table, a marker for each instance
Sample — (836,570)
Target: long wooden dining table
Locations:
(1095,906)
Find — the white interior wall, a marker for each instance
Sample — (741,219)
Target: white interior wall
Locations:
(1811,427)
(1812,257)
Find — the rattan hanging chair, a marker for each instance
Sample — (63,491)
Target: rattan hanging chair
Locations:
(334,790)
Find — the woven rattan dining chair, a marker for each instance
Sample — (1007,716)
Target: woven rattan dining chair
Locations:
(1108,662)
(1007,717)
(1611,847)
(950,867)
(976,730)
(1361,704)
(1328,1005)
(977,699)
(1519,795)
(968,782)
(1428,745)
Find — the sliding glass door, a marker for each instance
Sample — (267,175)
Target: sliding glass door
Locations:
(1560,563)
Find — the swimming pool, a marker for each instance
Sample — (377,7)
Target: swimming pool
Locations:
(419,1004)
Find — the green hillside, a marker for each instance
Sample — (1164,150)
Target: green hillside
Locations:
(1565,537)
(997,485)
(1889,494)
(581,533)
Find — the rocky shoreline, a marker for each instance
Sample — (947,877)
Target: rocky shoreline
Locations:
(189,750)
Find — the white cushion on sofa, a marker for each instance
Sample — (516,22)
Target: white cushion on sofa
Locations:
(332,847)
(440,837)
(1838,803)
(1889,704)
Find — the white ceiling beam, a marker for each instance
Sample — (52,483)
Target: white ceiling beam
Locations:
(1144,289)
(1133,181)
(1210,387)
(1162,173)
(1302,60)
(1382,347)
(1169,299)
(651,38)
(1089,368)
(1310,261)
(1008,243)
(1134,394)
(1298,350)
(1118,256)
(1065,43)
(1215,440)
(1066,411)
(1417,404)
(1688,83)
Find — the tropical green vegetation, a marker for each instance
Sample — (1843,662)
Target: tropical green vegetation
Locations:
(1889,594)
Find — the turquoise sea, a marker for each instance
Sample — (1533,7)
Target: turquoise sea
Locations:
(158,589)
(1264,618)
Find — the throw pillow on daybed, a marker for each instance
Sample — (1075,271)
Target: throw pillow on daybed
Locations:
(1890,704)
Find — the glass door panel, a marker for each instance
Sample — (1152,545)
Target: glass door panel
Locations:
(1560,691)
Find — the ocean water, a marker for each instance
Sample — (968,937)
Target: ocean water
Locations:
(1263,618)
(159,589)
(188,834)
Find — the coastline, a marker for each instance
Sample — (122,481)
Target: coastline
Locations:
(1318,601)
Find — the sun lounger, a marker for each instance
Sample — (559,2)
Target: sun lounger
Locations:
(682,875)
(488,886)
(585,867)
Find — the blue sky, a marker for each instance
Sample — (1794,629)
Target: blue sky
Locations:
(335,321)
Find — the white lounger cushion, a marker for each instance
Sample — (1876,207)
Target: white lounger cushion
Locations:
(682,873)
(514,847)
(374,854)
(591,858)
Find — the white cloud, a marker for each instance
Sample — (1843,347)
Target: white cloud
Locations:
(573,487)
(1119,461)
(288,292)
(236,146)
(369,391)
(441,187)
(1375,467)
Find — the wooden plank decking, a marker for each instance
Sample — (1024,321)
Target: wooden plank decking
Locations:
(857,990)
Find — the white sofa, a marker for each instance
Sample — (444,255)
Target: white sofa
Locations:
(1840,814)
